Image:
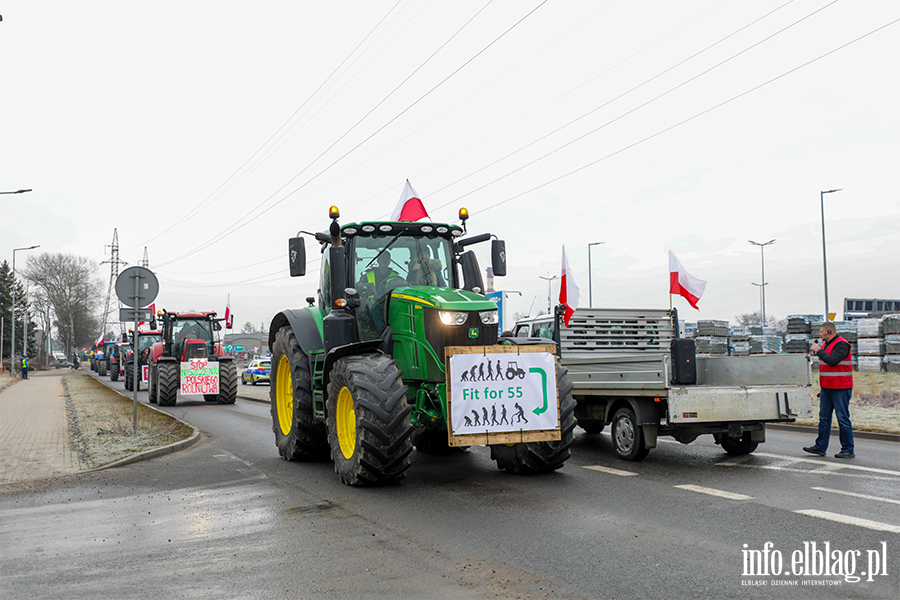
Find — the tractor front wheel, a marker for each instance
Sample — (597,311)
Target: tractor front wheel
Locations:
(297,433)
(227,383)
(541,457)
(167,383)
(151,385)
(368,420)
(129,378)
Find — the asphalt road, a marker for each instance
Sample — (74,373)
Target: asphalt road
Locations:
(227,518)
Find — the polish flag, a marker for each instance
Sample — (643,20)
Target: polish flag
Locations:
(152,308)
(569,293)
(409,207)
(228,318)
(99,341)
(683,283)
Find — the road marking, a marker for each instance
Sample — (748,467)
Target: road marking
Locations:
(611,471)
(865,496)
(819,461)
(786,463)
(712,492)
(850,520)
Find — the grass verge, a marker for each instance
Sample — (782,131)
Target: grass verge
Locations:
(102,423)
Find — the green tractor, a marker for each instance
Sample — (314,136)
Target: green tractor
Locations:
(360,374)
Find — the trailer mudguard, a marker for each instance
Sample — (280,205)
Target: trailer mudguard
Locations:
(307,330)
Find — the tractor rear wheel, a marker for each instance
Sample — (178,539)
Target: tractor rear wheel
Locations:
(227,383)
(368,420)
(101,368)
(129,377)
(297,434)
(114,372)
(542,457)
(167,383)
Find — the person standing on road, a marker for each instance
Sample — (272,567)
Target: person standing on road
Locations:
(24,367)
(836,384)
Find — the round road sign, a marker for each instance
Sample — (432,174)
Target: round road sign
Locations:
(137,287)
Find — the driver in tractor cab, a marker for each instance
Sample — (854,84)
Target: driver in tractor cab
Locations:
(424,270)
(374,285)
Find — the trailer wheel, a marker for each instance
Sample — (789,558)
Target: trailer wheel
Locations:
(368,420)
(738,447)
(151,386)
(628,436)
(542,457)
(297,434)
(227,383)
(167,379)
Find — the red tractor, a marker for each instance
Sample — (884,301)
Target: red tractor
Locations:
(145,341)
(189,337)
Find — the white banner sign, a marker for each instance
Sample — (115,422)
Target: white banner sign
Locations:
(199,376)
(503,393)
(145,373)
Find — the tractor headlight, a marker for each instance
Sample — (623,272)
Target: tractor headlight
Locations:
(489,317)
(450,317)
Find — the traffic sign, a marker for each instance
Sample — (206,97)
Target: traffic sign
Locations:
(135,314)
(137,286)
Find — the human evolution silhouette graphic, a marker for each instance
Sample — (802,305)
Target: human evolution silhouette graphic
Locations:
(485,371)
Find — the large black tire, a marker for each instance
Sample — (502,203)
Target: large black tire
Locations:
(151,385)
(297,433)
(167,383)
(114,372)
(101,368)
(227,383)
(368,420)
(738,447)
(591,426)
(628,436)
(542,457)
(129,377)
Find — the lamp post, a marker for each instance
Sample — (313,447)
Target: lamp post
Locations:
(590,286)
(549,290)
(12,360)
(762,286)
(824,260)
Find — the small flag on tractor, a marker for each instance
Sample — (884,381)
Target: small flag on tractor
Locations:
(409,207)
(229,320)
(569,292)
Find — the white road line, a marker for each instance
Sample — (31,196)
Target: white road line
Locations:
(850,520)
(808,472)
(712,492)
(865,496)
(821,462)
(610,471)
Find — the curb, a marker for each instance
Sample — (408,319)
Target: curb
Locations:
(156,452)
(862,435)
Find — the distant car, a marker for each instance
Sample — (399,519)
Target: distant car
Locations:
(256,372)
(60,364)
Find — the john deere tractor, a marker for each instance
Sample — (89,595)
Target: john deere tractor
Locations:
(360,374)
(186,336)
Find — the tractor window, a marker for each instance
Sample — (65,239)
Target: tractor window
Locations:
(381,264)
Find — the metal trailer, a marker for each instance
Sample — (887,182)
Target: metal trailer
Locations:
(624,375)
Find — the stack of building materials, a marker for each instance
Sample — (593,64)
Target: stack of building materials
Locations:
(847,330)
(688,330)
(870,344)
(891,327)
(802,323)
(740,341)
(796,343)
(766,344)
(712,337)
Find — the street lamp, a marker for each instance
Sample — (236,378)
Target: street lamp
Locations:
(549,290)
(762,286)
(824,261)
(590,287)
(12,360)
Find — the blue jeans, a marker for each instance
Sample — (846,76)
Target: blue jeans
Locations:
(839,402)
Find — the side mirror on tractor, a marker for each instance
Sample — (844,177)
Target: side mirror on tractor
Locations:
(498,258)
(297,256)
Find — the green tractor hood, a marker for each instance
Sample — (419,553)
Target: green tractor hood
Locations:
(443,298)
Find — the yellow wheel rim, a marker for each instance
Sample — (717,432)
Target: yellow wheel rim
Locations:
(284,395)
(345,421)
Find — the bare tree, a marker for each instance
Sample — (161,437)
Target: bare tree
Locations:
(71,286)
(248,328)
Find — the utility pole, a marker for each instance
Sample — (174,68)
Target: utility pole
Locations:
(549,291)
(114,263)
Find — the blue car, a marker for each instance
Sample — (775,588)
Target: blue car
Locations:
(257,371)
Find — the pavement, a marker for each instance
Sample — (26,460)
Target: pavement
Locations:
(34,430)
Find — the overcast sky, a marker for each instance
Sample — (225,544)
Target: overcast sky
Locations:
(211,132)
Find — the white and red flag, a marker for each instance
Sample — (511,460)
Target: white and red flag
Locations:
(99,341)
(228,318)
(409,207)
(569,292)
(683,283)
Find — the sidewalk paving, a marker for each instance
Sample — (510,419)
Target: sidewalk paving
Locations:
(34,430)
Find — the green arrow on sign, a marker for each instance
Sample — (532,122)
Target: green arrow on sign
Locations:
(543,373)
